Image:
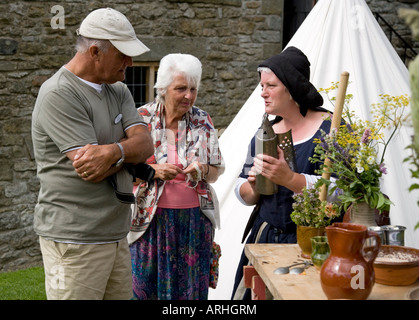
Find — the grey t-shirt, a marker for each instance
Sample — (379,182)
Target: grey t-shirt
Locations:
(69,114)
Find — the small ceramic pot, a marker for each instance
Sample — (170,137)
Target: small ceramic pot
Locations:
(304,235)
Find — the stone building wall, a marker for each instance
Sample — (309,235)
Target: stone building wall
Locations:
(388,10)
(36,38)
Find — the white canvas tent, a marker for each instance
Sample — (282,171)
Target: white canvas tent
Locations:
(337,36)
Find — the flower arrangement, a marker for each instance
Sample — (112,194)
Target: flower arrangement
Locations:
(356,151)
(309,210)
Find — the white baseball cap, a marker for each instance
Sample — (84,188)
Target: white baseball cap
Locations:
(112,25)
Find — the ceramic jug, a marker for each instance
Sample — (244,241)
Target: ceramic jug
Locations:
(347,273)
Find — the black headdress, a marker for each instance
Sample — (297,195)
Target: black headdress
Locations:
(292,67)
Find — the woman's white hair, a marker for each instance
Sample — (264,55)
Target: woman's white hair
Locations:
(175,64)
(264,69)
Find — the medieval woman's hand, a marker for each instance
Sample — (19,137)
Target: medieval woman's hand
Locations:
(251,178)
(278,171)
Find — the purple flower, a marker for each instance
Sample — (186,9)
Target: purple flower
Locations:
(366,135)
(338,147)
(382,168)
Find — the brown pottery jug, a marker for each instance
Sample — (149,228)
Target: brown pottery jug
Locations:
(346,274)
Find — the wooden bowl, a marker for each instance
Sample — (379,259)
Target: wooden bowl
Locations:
(396,272)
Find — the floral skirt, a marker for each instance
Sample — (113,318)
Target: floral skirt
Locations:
(171,261)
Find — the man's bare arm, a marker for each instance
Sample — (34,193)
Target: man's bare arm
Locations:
(96,162)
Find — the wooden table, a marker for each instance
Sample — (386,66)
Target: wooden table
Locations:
(306,286)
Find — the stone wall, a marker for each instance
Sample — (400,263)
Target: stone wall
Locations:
(388,10)
(36,38)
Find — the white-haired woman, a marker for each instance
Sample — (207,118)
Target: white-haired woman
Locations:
(172,231)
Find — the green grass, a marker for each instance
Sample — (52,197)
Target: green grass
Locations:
(26,284)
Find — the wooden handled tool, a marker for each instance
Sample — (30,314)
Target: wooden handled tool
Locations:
(337,117)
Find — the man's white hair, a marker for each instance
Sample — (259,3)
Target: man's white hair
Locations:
(83,44)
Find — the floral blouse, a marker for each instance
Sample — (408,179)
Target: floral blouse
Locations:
(196,140)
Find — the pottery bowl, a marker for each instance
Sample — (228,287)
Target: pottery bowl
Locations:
(413,294)
(396,265)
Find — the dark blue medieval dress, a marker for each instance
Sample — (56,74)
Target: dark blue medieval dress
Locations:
(276,209)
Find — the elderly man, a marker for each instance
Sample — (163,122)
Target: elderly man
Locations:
(86,131)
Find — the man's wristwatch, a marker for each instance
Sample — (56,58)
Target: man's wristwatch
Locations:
(121,160)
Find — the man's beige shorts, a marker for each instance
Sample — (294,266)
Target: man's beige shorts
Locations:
(87,271)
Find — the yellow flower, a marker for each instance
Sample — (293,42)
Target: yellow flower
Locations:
(354,149)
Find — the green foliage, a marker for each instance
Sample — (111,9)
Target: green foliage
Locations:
(413,160)
(309,210)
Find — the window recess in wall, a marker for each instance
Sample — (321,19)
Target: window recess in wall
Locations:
(140,80)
